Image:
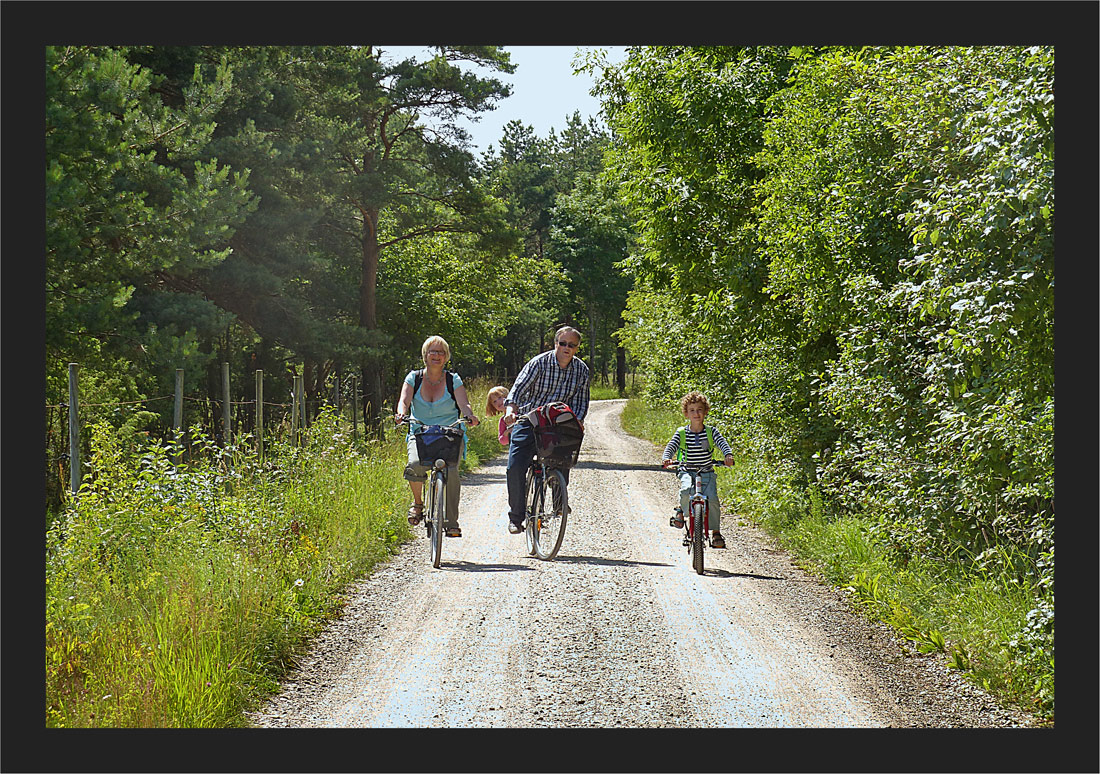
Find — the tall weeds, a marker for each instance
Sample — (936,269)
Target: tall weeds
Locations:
(178,596)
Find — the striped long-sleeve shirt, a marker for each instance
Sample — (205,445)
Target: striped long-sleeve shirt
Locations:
(543,381)
(696,455)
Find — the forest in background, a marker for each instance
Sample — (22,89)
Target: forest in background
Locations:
(309,211)
(849,250)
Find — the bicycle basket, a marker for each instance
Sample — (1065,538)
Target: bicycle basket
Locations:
(438,442)
(559,444)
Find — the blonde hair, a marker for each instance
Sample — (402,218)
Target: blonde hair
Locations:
(432,341)
(498,391)
(694,397)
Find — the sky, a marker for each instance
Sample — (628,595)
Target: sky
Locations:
(544,91)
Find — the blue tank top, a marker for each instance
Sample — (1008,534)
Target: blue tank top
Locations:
(436,412)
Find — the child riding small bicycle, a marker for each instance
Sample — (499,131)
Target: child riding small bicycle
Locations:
(691,448)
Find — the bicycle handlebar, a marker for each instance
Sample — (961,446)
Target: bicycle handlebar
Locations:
(405,419)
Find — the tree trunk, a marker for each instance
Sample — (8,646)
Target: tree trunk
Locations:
(620,370)
(368,318)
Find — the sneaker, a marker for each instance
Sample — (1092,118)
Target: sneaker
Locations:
(677,519)
(716,540)
(515,527)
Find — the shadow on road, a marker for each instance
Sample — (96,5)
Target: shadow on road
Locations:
(607,562)
(726,574)
(471,567)
(600,465)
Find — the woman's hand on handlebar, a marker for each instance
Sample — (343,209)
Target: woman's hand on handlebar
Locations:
(666,464)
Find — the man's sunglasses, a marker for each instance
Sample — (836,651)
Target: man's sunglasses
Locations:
(570,344)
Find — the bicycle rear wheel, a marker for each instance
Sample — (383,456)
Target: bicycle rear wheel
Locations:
(698,536)
(536,494)
(550,522)
(435,517)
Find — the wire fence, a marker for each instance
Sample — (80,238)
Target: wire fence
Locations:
(221,418)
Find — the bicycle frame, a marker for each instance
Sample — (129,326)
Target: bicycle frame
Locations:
(698,498)
(695,535)
(545,528)
(434,496)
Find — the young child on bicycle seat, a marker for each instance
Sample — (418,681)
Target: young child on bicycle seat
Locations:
(691,448)
(494,404)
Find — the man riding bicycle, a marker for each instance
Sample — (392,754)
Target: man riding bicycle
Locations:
(556,375)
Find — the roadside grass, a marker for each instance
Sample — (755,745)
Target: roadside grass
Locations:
(978,620)
(611,391)
(177,598)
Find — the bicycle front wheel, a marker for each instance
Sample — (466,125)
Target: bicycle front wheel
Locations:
(550,521)
(698,536)
(536,494)
(435,518)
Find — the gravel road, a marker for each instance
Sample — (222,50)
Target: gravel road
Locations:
(617,631)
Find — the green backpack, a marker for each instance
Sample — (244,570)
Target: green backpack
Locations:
(683,441)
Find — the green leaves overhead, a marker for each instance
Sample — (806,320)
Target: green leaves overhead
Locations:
(867,237)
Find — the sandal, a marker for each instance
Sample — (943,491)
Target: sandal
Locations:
(717,541)
(416,514)
(453,532)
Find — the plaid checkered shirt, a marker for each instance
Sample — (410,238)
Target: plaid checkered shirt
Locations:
(543,381)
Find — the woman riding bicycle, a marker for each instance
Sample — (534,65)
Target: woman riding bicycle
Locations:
(433,396)
(557,375)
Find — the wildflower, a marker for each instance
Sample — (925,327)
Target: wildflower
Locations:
(299,582)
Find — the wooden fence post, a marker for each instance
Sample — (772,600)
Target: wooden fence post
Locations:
(296,410)
(74,431)
(177,414)
(260,413)
(226,426)
(354,408)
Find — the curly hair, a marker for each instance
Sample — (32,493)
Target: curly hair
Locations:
(694,397)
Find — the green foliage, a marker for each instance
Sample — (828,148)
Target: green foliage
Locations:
(851,252)
(127,194)
(589,238)
(174,597)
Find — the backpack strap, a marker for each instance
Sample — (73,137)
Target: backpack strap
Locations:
(683,441)
(419,377)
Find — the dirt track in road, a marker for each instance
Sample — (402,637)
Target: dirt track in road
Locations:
(618,631)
